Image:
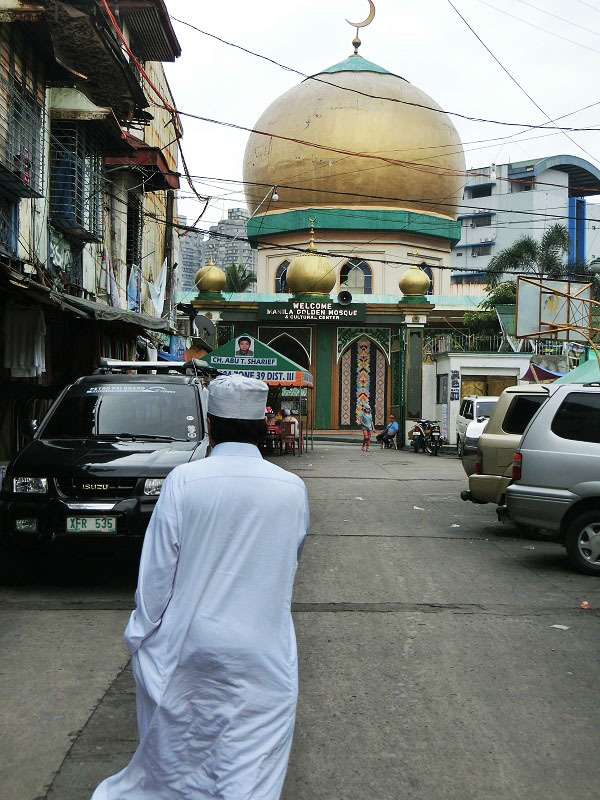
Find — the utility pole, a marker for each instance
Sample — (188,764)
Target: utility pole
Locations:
(169,253)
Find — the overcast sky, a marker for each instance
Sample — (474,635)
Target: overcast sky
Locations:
(425,42)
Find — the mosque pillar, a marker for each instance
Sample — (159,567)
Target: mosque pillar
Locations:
(414,309)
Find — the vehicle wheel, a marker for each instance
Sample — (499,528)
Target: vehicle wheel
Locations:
(583,542)
(415,445)
(435,447)
(460,447)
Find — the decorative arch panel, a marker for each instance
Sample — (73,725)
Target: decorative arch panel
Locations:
(363,375)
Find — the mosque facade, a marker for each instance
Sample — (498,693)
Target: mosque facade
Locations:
(353,180)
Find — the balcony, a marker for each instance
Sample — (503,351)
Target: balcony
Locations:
(438,342)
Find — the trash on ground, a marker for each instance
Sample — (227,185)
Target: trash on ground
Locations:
(359,498)
(418,508)
(560,627)
(585,604)
(455,525)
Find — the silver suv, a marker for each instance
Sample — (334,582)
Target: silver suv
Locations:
(556,473)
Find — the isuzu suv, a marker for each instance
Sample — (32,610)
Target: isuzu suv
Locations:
(89,479)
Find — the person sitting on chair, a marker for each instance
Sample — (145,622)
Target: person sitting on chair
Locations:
(389,433)
(288,417)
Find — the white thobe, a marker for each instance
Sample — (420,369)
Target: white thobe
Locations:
(212,638)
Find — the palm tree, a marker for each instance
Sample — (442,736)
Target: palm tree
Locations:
(544,258)
(239,278)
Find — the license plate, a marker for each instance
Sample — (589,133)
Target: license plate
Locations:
(91,524)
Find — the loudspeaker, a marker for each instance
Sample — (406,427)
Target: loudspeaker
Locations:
(344,298)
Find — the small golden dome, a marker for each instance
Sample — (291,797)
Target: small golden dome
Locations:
(311,273)
(210,278)
(414,282)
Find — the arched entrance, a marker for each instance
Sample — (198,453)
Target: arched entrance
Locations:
(363,376)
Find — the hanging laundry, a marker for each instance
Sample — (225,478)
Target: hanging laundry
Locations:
(157,289)
(24,341)
(111,284)
(134,289)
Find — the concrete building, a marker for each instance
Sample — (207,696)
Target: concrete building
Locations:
(227,243)
(88,180)
(191,250)
(503,202)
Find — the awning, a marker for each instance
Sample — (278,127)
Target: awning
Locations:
(246,356)
(588,372)
(104,313)
(151,161)
(537,374)
(73,105)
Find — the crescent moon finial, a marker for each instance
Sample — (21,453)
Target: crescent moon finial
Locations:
(356,41)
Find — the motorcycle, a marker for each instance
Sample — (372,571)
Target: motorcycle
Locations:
(426,436)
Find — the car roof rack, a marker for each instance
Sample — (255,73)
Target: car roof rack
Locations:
(193,367)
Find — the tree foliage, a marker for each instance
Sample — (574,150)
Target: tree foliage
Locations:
(239,278)
(504,293)
(527,255)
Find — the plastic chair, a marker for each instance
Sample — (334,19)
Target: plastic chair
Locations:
(287,435)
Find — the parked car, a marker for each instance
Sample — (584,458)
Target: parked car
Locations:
(556,473)
(475,428)
(471,409)
(489,465)
(89,479)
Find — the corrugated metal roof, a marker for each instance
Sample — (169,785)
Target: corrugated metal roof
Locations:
(152,33)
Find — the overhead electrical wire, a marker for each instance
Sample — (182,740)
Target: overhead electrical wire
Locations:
(437,110)
(562,19)
(516,82)
(540,28)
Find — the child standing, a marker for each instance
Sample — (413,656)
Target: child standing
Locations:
(366,423)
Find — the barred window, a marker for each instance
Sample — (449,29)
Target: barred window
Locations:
(77,180)
(21,116)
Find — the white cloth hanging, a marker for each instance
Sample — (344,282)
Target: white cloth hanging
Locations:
(157,289)
(212,638)
(24,340)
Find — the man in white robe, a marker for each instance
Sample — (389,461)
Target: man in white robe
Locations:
(212,638)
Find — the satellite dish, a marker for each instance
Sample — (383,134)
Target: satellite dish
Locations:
(344,298)
(204,326)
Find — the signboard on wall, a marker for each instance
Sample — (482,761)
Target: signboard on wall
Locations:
(455,385)
(311,311)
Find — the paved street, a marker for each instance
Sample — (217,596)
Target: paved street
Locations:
(429,667)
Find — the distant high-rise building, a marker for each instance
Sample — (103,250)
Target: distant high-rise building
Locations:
(227,242)
(192,256)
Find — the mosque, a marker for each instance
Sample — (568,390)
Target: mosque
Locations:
(353,180)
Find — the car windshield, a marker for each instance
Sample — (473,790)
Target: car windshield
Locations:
(167,411)
(485,408)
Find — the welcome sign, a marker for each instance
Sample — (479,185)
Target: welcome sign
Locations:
(311,311)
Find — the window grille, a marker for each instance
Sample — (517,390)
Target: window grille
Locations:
(77,180)
(21,117)
(135,228)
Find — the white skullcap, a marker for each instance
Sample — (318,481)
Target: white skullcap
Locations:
(237,397)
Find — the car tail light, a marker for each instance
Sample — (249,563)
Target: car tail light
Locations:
(517,464)
(479,463)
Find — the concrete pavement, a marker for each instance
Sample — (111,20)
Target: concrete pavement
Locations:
(429,667)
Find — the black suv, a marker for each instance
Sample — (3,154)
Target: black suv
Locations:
(89,479)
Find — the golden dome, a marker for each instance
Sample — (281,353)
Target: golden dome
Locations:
(210,278)
(414,282)
(311,273)
(319,112)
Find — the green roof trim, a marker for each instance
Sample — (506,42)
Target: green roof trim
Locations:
(355,64)
(353,220)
